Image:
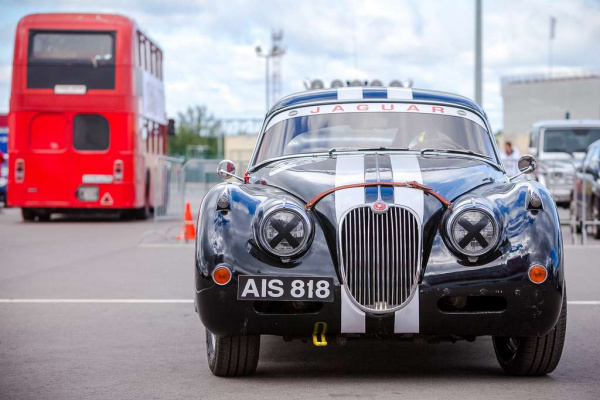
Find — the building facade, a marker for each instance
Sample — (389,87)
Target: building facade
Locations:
(529,99)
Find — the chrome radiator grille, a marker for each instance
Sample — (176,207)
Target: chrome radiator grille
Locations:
(380,255)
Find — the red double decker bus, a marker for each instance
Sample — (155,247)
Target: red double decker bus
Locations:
(87,117)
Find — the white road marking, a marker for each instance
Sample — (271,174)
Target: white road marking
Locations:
(168,245)
(181,301)
(101,301)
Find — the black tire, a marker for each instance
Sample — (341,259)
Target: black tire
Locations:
(533,356)
(145,212)
(44,217)
(27,214)
(232,356)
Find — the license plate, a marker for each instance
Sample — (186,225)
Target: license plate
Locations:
(285,288)
(88,193)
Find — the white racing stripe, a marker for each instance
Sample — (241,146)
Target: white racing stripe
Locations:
(399,93)
(350,93)
(406,168)
(350,169)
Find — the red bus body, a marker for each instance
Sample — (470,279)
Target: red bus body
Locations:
(78,123)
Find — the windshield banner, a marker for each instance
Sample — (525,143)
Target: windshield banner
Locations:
(376,107)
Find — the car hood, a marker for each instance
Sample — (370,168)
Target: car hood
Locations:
(450,176)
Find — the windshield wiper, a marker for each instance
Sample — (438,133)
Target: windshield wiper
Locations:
(455,151)
(487,159)
(381,148)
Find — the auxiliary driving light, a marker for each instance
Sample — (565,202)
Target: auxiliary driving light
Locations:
(221,275)
(537,274)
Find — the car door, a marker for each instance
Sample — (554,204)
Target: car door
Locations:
(589,177)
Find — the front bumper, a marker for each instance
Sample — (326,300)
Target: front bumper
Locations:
(529,310)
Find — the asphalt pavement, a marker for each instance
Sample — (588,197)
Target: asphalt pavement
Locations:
(87,312)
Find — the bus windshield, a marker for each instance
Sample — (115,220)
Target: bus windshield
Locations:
(570,140)
(367,130)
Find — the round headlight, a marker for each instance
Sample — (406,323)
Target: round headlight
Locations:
(473,231)
(285,230)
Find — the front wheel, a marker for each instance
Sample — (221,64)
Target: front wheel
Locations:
(533,356)
(232,356)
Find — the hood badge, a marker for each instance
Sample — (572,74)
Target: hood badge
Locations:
(379,207)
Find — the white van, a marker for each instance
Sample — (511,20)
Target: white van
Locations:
(559,147)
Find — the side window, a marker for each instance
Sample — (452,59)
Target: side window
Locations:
(533,138)
(90,132)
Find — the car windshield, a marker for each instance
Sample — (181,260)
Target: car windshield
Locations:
(569,140)
(347,127)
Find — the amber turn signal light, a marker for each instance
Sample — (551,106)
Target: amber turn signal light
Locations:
(537,274)
(221,275)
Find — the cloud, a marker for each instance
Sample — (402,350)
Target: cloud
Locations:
(210,57)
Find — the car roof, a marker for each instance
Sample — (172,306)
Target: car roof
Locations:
(372,93)
(562,123)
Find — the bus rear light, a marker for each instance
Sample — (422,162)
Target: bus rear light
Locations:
(118,171)
(19,170)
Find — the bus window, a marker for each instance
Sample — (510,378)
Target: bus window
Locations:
(48,132)
(90,132)
(71,58)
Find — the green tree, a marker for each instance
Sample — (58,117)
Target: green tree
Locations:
(196,127)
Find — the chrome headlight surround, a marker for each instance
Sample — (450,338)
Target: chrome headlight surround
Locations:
(462,218)
(276,216)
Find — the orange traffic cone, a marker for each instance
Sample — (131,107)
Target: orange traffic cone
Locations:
(188,230)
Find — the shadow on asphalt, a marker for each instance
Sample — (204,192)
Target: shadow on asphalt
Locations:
(365,359)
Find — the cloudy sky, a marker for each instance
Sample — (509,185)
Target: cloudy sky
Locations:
(210,57)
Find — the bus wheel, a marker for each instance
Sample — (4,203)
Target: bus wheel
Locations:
(144,212)
(28,214)
(43,216)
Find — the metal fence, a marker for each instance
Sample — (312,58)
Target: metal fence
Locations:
(200,175)
(581,207)
(169,189)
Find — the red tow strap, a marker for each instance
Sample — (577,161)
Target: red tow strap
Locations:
(412,185)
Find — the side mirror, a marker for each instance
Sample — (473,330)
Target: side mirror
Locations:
(226,170)
(527,164)
(171,127)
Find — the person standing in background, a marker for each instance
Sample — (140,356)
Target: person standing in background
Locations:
(510,159)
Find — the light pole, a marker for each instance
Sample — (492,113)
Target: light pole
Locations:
(267,57)
(275,51)
(478,88)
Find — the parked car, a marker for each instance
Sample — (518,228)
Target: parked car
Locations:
(383,213)
(587,188)
(559,147)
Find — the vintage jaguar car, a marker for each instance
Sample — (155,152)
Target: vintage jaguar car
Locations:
(382,213)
